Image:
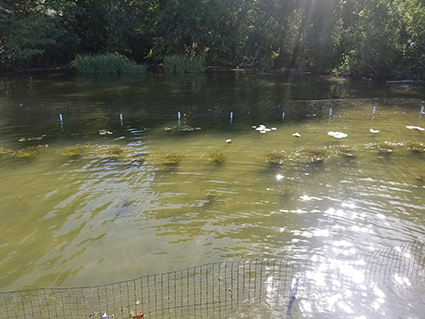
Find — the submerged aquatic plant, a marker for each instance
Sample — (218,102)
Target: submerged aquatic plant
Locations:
(171,158)
(385,147)
(74,150)
(4,151)
(347,151)
(30,151)
(215,156)
(114,151)
(311,154)
(273,157)
(415,147)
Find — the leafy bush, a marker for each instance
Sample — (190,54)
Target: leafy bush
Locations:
(184,64)
(106,63)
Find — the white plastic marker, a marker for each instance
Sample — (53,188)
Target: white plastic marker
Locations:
(283,116)
(61,120)
(231,117)
(121,119)
(178,118)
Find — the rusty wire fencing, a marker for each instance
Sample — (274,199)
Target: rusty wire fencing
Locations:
(389,281)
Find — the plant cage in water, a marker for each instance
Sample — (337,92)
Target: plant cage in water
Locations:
(373,284)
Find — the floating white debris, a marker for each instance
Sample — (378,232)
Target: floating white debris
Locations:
(415,128)
(337,134)
(263,129)
(167,129)
(340,135)
(229,141)
(374,131)
(296,134)
(104,132)
(38,138)
(279,177)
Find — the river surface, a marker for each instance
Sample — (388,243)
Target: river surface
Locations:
(96,219)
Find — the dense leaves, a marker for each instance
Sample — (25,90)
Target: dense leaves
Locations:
(371,38)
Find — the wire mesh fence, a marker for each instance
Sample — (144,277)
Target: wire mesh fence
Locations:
(258,288)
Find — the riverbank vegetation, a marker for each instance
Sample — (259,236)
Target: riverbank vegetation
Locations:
(376,39)
(106,63)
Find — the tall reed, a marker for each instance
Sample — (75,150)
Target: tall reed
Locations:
(106,63)
(184,64)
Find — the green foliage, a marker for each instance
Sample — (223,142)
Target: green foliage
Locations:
(106,63)
(384,39)
(32,34)
(184,64)
(374,38)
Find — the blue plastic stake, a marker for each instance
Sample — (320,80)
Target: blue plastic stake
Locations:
(422,111)
(121,119)
(330,114)
(178,118)
(283,116)
(373,114)
(293,295)
(61,120)
(231,117)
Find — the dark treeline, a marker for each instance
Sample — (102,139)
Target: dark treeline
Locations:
(371,38)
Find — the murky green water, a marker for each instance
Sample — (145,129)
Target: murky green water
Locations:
(95,219)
